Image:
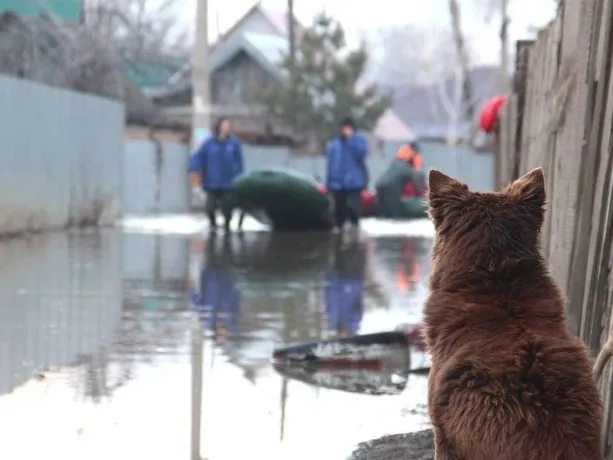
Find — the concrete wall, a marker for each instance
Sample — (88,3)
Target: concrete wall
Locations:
(60,157)
(61,302)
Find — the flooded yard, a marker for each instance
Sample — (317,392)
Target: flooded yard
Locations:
(118,344)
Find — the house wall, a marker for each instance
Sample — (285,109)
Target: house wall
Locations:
(239,82)
(62,157)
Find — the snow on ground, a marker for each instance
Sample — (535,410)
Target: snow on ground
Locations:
(388,227)
(181,224)
(190,224)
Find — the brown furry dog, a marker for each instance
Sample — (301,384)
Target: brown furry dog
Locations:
(508,382)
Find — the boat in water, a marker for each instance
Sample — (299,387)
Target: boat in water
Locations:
(288,200)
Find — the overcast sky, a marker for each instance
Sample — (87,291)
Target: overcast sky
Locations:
(367,17)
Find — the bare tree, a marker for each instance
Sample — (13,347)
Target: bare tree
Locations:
(90,56)
(463,70)
(397,55)
(48,51)
(140,29)
(499,9)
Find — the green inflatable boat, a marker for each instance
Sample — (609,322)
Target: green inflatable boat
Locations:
(291,201)
(283,198)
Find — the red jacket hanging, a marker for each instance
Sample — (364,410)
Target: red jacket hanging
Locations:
(491,112)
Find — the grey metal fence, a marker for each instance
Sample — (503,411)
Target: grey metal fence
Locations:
(61,302)
(158,183)
(60,157)
(155,180)
(476,169)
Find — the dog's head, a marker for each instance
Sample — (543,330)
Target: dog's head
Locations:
(487,226)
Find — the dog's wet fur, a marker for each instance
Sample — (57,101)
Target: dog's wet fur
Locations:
(508,381)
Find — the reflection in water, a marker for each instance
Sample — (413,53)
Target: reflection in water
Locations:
(60,300)
(408,267)
(217,298)
(344,288)
(252,294)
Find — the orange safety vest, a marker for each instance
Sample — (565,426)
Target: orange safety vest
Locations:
(406,153)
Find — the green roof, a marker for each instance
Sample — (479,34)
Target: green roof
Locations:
(150,74)
(67,10)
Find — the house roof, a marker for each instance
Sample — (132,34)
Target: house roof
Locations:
(152,73)
(277,19)
(391,128)
(66,10)
(266,49)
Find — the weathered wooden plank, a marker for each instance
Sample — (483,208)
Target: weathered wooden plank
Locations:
(570,138)
(566,126)
(588,250)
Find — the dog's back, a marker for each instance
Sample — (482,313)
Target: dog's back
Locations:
(507,380)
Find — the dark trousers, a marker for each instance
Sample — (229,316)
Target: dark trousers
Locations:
(219,200)
(347,207)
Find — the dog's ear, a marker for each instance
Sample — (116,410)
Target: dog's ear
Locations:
(529,191)
(440,184)
(445,196)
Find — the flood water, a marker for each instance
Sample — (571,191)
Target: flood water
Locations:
(120,345)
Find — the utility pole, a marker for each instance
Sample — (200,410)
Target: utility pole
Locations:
(201,118)
(290,29)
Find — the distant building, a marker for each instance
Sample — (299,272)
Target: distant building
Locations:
(65,10)
(243,61)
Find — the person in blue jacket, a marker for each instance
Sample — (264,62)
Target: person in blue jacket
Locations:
(344,290)
(347,174)
(217,298)
(213,167)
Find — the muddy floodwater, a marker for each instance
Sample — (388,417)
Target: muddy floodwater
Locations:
(122,345)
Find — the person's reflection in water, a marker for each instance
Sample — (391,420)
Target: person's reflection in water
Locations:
(217,297)
(408,267)
(344,288)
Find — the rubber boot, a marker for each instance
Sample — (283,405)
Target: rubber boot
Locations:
(212,221)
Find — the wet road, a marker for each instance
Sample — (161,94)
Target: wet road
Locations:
(106,340)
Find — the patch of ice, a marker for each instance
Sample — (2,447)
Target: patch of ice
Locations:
(181,224)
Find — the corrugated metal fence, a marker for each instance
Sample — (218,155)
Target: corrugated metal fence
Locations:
(155,177)
(62,301)
(156,180)
(60,157)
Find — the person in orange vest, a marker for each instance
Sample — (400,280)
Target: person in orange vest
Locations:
(410,153)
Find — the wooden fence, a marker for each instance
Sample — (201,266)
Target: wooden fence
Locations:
(560,116)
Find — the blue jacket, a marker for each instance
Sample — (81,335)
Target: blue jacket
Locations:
(347,163)
(218,298)
(218,161)
(343,296)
